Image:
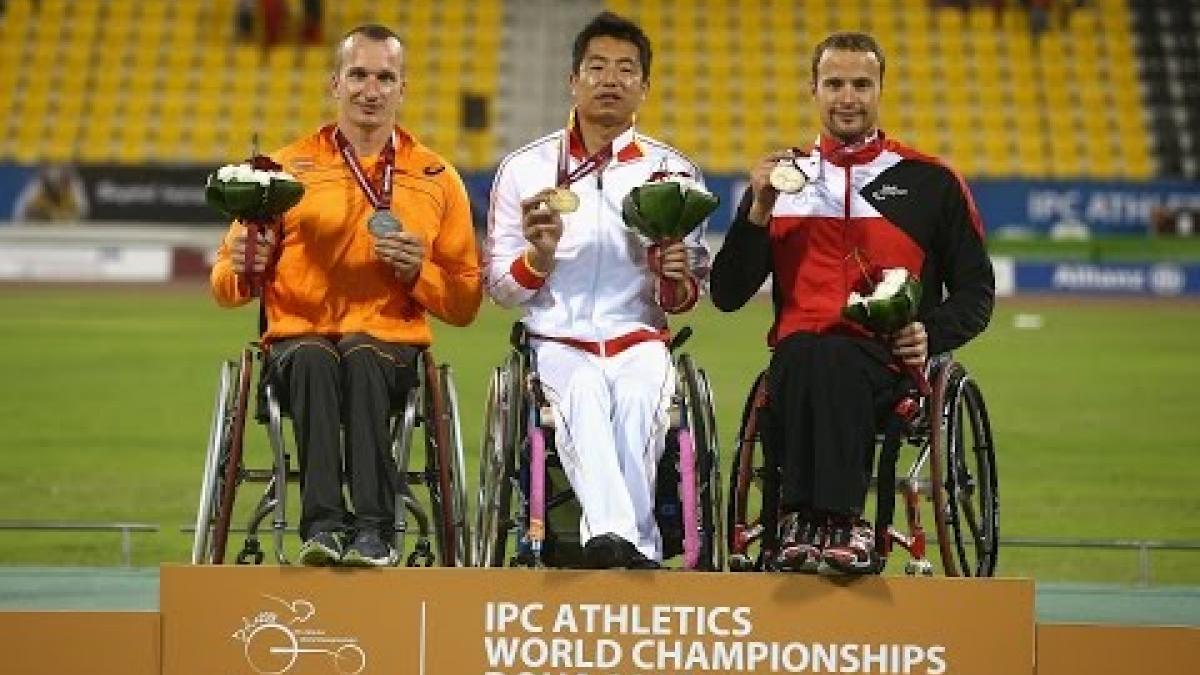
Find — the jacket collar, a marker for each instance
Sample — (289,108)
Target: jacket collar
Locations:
(625,147)
(839,154)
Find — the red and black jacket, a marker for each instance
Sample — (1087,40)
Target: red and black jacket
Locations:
(864,209)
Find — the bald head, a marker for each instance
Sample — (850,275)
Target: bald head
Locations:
(371,31)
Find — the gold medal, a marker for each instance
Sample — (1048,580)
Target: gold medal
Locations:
(787,177)
(562,200)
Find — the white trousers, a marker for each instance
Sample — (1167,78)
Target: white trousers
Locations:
(610,431)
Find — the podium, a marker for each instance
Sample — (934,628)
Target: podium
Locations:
(493,622)
(232,620)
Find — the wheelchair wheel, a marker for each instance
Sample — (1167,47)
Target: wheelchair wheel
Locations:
(698,409)
(223,461)
(753,484)
(497,457)
(444,466)
(972,495)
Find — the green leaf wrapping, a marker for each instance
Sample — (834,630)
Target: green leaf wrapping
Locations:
(887,315)
(251,200)
(664,210)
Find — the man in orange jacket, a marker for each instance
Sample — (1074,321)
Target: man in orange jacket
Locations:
(382,235)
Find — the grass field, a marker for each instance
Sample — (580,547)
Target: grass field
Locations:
(108,394)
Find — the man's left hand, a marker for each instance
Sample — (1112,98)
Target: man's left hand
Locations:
(911,344)
(404,251)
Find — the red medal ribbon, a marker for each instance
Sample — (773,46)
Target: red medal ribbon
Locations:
(589,165)
(381,200)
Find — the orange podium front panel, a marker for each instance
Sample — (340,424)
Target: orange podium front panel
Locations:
(1089,649)
(79,643)
(228,620)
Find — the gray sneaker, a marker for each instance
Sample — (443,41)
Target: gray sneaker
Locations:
(370,550)
(321,550)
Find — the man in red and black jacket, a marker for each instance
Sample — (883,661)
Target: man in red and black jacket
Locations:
(856,204)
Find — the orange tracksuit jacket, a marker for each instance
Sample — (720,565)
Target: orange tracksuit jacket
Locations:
(327,279)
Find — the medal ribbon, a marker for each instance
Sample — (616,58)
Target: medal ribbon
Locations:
(382,200)
(589,165)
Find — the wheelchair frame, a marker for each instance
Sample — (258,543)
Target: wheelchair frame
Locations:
(516,453)
(432,403)
(955,469)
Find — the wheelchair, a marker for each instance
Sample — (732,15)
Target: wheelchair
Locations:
(527,514)
(954,468)
(431,405)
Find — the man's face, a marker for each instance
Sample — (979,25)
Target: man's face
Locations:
(847,93)
(610,85)
(369,85)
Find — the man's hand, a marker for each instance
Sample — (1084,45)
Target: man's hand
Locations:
(543,229)
(404,251)
(672,261)
(262,254)
(911,344)
(760,186)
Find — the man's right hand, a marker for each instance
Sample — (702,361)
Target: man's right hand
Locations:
(760,186)
(543,229)
(262,255)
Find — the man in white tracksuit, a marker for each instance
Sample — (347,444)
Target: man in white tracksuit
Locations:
(594,295)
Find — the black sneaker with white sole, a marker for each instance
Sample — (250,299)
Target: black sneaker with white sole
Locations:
(321,550)
(370,550)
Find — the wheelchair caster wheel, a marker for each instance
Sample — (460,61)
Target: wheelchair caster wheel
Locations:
(915,567)
(422,556)
(251,551)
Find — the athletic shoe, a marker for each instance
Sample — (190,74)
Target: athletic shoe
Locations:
(606,551)
(800,541)
(321,549)
(370,550)
(851,548)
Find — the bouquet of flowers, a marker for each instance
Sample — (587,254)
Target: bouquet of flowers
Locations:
(668,207)
(255,192)
(892,305)
(664,210)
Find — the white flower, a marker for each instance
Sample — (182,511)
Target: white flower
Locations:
(244,173)
(893,281)
(685,183)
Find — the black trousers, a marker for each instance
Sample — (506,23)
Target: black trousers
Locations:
(827,397)
(349,388)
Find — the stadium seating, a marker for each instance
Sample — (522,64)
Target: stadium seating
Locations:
(986,97)
(1169,55)
(169,82)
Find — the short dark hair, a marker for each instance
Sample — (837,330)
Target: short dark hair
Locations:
(607,24)
(371,31)
(848,42)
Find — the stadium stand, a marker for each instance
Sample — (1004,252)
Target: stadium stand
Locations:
(1168,52)
(146,82)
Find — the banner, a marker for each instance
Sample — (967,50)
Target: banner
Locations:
(510,622)
(1163,279)
(1104,207)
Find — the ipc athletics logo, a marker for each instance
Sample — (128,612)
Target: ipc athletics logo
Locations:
(274,641)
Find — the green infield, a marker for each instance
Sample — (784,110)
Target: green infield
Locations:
(108,395)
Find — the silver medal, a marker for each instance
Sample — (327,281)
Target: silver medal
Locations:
(382,222)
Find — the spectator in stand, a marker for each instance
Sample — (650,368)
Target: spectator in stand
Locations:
(243,20)
(310,28)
